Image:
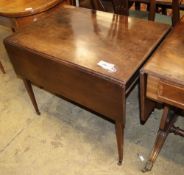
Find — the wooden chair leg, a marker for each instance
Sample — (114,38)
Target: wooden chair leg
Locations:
(164,10)
(137,6)
(152,10)
(29,89)
(148,7)
(175,12)
(2,68)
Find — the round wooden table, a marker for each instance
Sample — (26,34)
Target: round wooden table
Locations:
(16,10)
(17,13)
(20,8)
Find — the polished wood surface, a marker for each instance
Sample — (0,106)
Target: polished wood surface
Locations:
(162,81)
(15,14)
(19,8)
(85,43)
(61,54)
(168,62)
(20,22)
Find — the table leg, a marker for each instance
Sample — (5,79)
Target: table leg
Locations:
(120,140)
(119,127)
(146,105)
(29,89)
(2,68)
(166,123)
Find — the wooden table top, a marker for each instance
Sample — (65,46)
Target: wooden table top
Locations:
(168,61)
(19,8)
(81,38)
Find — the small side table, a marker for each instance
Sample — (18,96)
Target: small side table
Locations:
(63,54)
(162,81)
(18,13)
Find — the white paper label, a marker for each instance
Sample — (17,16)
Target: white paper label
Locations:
(141,157)
(29,9)
(108,66)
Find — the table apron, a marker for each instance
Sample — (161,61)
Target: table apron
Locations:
(91,91)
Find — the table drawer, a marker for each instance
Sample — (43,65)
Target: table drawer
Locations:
(165,91)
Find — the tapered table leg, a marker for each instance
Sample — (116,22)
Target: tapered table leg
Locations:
(120,139)
(29,89)
(119,127)
(2,68)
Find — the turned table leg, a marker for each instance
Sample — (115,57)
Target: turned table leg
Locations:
(29,89)
(2,68)
(161,137)
(167,122)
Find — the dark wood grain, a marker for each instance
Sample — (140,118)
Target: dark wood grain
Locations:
(83,43)
(61,53)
